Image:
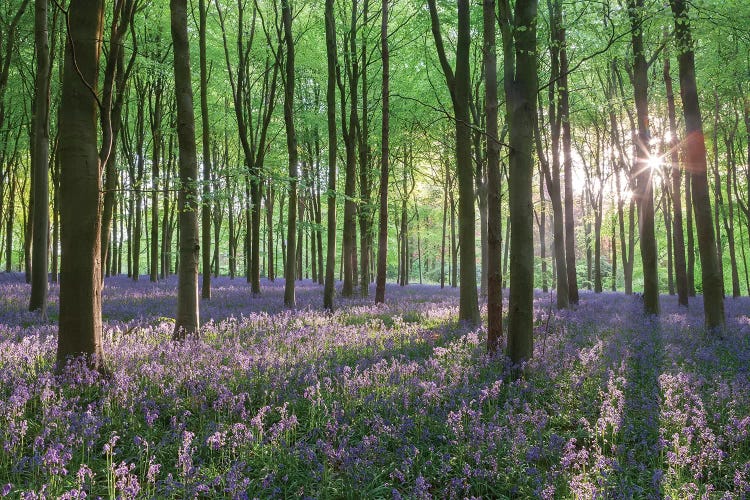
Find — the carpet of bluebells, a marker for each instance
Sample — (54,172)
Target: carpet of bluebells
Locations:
(396,401)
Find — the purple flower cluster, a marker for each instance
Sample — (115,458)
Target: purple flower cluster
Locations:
(397,400)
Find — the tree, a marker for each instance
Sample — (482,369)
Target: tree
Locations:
(520,73)
(641,169)
(329,290)
(187,319)
(206,136)
(552,171)
(458,85)
(291,146)
(384,157)
(40,162)
(695,162)
(80,323)
(564,115)
(676,176)
(494,213)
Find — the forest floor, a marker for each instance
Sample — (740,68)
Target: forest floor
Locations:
(373,402)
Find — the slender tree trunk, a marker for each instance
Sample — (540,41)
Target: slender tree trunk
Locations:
(80,322)
(329,289)
(291,146)
(206,135)
(155,95)
(613,243)
(270,195)
(445,221)
(56,219)
(384,158)
(10,216)
(570,238)
(729,216)
(187,320)
(542,232)
(695,160)
(718,198)
(668,229)
(454,244)
(690,234)
(676,176)
(40,162)
(494,213)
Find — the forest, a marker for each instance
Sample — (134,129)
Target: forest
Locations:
(374,249)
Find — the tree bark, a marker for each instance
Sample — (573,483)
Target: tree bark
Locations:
(641,170)
(676,176)
(291,146)
(520,68)
(187,320)
(570,237)
(384,163)
(458,85)
(206,136)
(494,212)
(80,321)
(332,63)
(695,160)
(40,163)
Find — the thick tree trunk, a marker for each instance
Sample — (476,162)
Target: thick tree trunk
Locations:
(458,85)
(520,68)
(187,320)
(641,170)
(40,163)
(80,323)
(695,160)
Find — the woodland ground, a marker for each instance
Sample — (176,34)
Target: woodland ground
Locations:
(377,402)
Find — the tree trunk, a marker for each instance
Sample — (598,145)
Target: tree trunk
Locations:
(445,221)
(187,320)
(718,199)
(494,213)
(520,68)
(676,175)
(40,163)
(458,85)
(384,158)
(641,171)
(80,321)
(329,289)
(695,160)
(729,215)
(690,234)
(206,135)
(291,146)
(570,237)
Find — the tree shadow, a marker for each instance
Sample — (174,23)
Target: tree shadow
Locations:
(640,464)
